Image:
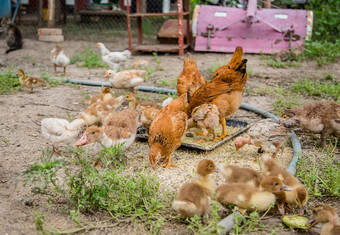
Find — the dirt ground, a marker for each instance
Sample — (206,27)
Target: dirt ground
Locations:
(21,114)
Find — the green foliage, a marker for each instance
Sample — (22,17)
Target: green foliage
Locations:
(211,227)
(323,89)
(322,51)
(9,82)
(51,81)
(89,59)
(320,174)
(88,189)
(284,99)
(281,64)
(171,83)
(326,25)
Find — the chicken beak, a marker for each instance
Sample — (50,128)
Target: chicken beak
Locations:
(285,188)
(310,221)
(96,46)
(301,210)
(106,75)
(281,209)
(237,147)
(84,139)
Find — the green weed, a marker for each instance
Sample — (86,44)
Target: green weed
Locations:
(9,82)
(171,83)
(284,99)
(51,81)
(312,87)
(321,175)
(211,227)
(156,58)
(281,64)
(89,59)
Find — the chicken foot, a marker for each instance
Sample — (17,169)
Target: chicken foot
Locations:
(223,135)
(169,163)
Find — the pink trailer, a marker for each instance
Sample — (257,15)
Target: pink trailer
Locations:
(221,29)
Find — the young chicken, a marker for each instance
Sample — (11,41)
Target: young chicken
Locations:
(247,197)
(29,82)
(207,118)
(104,96)
(134,104)
(327,216)
(125,80)
(140,64)
(167,131)
(299,194)
(269,135)
(118,128)
(190,79)
(59,59)
(148,114)
(320,117)
(113,59)
(225,90)
(235,174)
(194,197)
(96,112)
(60,131)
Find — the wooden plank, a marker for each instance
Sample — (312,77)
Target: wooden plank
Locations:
(50,31)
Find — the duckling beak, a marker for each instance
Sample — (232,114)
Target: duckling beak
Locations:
(310,221)
(281,209)
(84,139)
(301,210)
(285,188)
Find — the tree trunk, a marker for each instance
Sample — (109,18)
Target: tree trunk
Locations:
(51,13)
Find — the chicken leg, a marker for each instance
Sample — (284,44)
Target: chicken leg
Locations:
(169,163)
(223,135)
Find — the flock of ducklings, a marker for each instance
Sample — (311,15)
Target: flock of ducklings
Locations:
(244,187)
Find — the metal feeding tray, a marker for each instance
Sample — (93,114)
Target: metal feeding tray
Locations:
(234,127)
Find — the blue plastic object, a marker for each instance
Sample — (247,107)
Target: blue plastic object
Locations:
(5,8)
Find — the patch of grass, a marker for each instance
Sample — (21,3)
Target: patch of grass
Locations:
(51,82)
(171,83)
(321,175)
(89,59)
(281,64)
(9,82)
(156,58)
(88,189)
(322,51)
(150,71)
(210,227)
(28,57)
(312,87)
(284,98)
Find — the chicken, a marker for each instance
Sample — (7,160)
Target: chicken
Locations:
(140,64)
(96,112)
(125,80)
(194,197)
(59,59)
(167,101)
(134,104)
(269,135)
(113,59)
(148,114)
(235,174)
(167,131)
(104,96)
(206,117)
(190,79)
(225,90)
(62,131)
(321,117)
(118,128)
(328,217)
(247,197)
(299,194)
(29,82)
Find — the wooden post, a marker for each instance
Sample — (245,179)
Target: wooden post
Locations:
(139,23)
(128,24)
(40,12)
(266,4)
(180,27)
(51,13)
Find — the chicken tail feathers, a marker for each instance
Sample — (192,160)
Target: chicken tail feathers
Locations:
(185,209)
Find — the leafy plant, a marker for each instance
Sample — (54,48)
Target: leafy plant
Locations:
(284,99)
(9,82)
(172,82)
(320,174)
(281,64)
(89,59)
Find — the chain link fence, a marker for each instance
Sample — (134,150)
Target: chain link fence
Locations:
(91,19)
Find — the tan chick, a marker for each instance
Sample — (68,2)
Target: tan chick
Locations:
(269,135)
(59,59)
(194,197)
(247,197)
(148,114)
(207,118)
(167,131)
(118,128)
(137,104)
(299,194)
(190,79)
(327,216)
(235,174)
(140,64)
(96,113)
(128,79)
(320,117)
(29,82)
(104,96)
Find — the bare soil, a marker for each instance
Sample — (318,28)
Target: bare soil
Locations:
(21,140)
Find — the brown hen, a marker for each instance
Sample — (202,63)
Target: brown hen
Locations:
(225,90)
(167,131)
(190,79)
